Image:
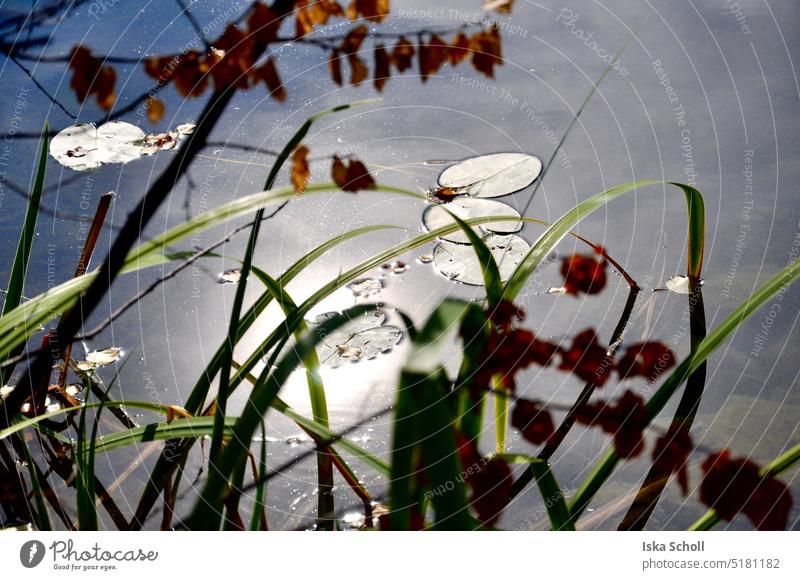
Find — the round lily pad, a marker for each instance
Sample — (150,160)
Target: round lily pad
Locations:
(84,147)
(492,175)
(459,263)
(438,215)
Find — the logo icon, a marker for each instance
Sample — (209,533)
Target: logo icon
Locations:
(31,553)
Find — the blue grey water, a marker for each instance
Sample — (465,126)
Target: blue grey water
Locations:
(706,93)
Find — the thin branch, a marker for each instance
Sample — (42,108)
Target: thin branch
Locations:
(174,272)
(39,86)
(193,21)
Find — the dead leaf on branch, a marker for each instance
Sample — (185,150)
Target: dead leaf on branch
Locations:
(155,110)
(91,77)
(300,170)
(352,176)
(383,67)
(372,10)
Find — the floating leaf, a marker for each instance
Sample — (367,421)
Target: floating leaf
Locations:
(84,147)
(362,338)
(230,276)
(365,287)
(459,263)
(99,358)
(678,284)
(466,208)
(492,175)
(186,128)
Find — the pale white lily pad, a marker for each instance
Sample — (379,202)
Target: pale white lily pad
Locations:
(459,263)
(365,287)
(678,284)
(437,216)
(84,147)
(362,338)
(100,358)
(230,276)
(492,175)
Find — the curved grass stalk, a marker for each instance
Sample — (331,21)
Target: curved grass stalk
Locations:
(236,310)
(207,511)
(715,338)
(319,404)
(555,233)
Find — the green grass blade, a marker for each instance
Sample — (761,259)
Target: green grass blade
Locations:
(319,403)
(561,228)
(658,401)
(553,497)
(191,428)
(19,268)
(42,515)
(241,286)
(207,510)
(491,272)
(423,424)
(258,516)
(16,280)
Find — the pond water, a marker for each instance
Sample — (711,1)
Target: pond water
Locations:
(706,93)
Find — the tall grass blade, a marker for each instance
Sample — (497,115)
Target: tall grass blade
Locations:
(658,401)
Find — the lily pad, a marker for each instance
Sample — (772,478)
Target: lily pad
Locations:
(84,147)
(230,276)
(679,284)
(99,358)
(365,287)
(362,338)
(436,216)
(492,175)
(459,263)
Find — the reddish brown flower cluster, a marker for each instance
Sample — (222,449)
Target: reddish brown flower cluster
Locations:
(91,77)
(626,420)
(671,454)
(587,359)
(583,273)
(507,353)
(733,486)
(489,480)
(533,421)
(510,350)
(645,359)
